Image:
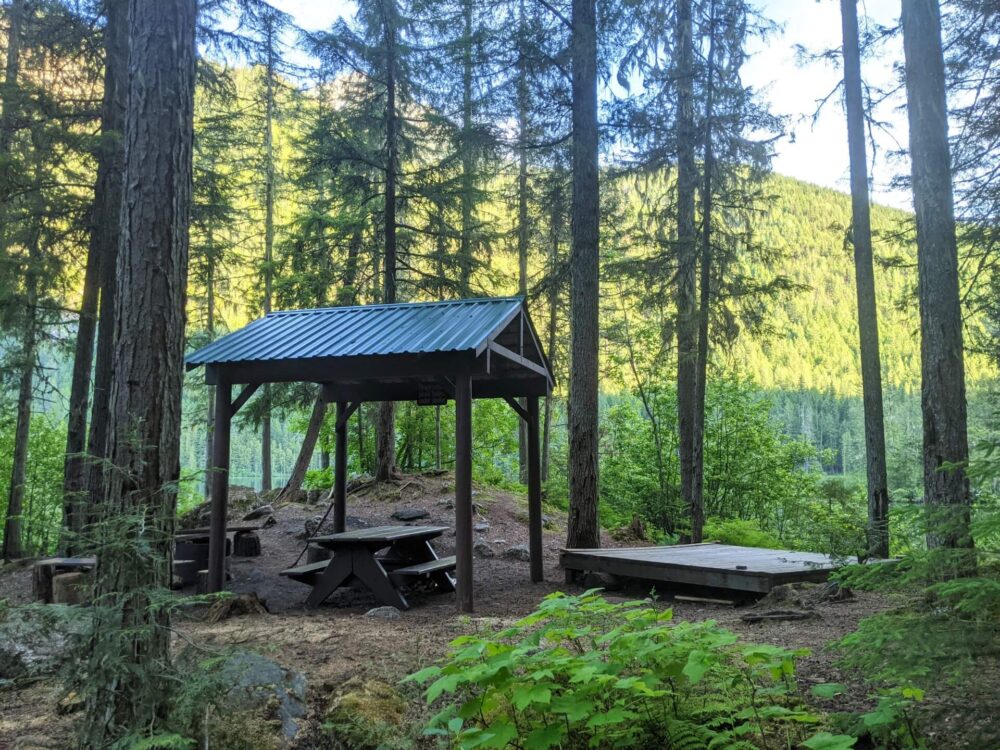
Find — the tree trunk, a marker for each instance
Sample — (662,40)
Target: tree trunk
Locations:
(861,238)
(385,443)
(269,72)
(10,94)
(210,412)
(468,163)
(298,475)
(522,219)
(100,271)
(13,539)
(687,324)
(556,224)
(113,118)
(704,291)
(583,529)
(132,634)
(946,448)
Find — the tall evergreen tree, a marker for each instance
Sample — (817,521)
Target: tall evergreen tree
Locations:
(583,529)
(99,273)
(946,449)
(145,399)
(861,238)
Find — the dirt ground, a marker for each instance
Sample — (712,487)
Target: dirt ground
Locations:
(336,641)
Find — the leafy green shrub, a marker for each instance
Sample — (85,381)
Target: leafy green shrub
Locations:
(583,672)
(739,532)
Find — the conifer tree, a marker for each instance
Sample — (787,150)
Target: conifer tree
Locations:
(946,446)
(131,634)
(861,239)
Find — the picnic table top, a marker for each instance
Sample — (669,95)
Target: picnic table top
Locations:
(68,561)
(204,530)
(379,534)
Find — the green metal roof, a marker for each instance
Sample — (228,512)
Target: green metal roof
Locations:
(365,330)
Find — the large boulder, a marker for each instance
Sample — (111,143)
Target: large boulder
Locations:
(37,639)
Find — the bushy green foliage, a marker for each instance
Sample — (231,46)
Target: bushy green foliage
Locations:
(762,488)
(934,655)
(584,672)
(43,492)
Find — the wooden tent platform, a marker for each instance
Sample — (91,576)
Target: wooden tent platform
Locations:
(719,566)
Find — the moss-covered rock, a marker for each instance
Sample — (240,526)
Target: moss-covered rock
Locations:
(368,715)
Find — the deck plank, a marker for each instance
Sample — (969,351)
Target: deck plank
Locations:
(724,566)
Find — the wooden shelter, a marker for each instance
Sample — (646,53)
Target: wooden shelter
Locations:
(428,352)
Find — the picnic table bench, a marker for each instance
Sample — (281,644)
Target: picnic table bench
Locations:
(408,554)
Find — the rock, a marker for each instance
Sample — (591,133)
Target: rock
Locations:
(410,514)
(598,580)
(37,640)
(518,552)
(241,496)
(256,576)
(260,685)
(72,588)
(483,549)
(383,613)
(259,512)
(353,522)
(481,528)
(500,541)
(368,713)
(548,522)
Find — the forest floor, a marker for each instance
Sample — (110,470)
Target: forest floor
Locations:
(337,642)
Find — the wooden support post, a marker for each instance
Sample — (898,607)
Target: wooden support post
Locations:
(463,490)
(534,492)
(220,488)
(340,470)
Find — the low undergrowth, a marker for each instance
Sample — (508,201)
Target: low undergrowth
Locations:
(582,672)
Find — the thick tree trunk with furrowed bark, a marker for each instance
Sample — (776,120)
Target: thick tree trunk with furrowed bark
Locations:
(99,274)
(116,91)
(583,530)
(132,637)
(946,445)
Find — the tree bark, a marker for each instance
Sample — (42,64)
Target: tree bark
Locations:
(132,635)
(684,296)
(313,428)
(583,529)
(704,288)
(522,217)
(946,448)
(861,238)
(385,442)
(100,270)
(116,95)
(269,72)
(13,539)
(467,198)
(13,521)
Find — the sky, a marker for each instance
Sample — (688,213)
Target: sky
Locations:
(811,151)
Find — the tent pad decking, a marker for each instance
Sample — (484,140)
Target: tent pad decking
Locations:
(720,566)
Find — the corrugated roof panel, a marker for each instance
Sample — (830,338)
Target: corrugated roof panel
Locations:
(404,328)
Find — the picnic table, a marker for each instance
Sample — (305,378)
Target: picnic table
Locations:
(408,554)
